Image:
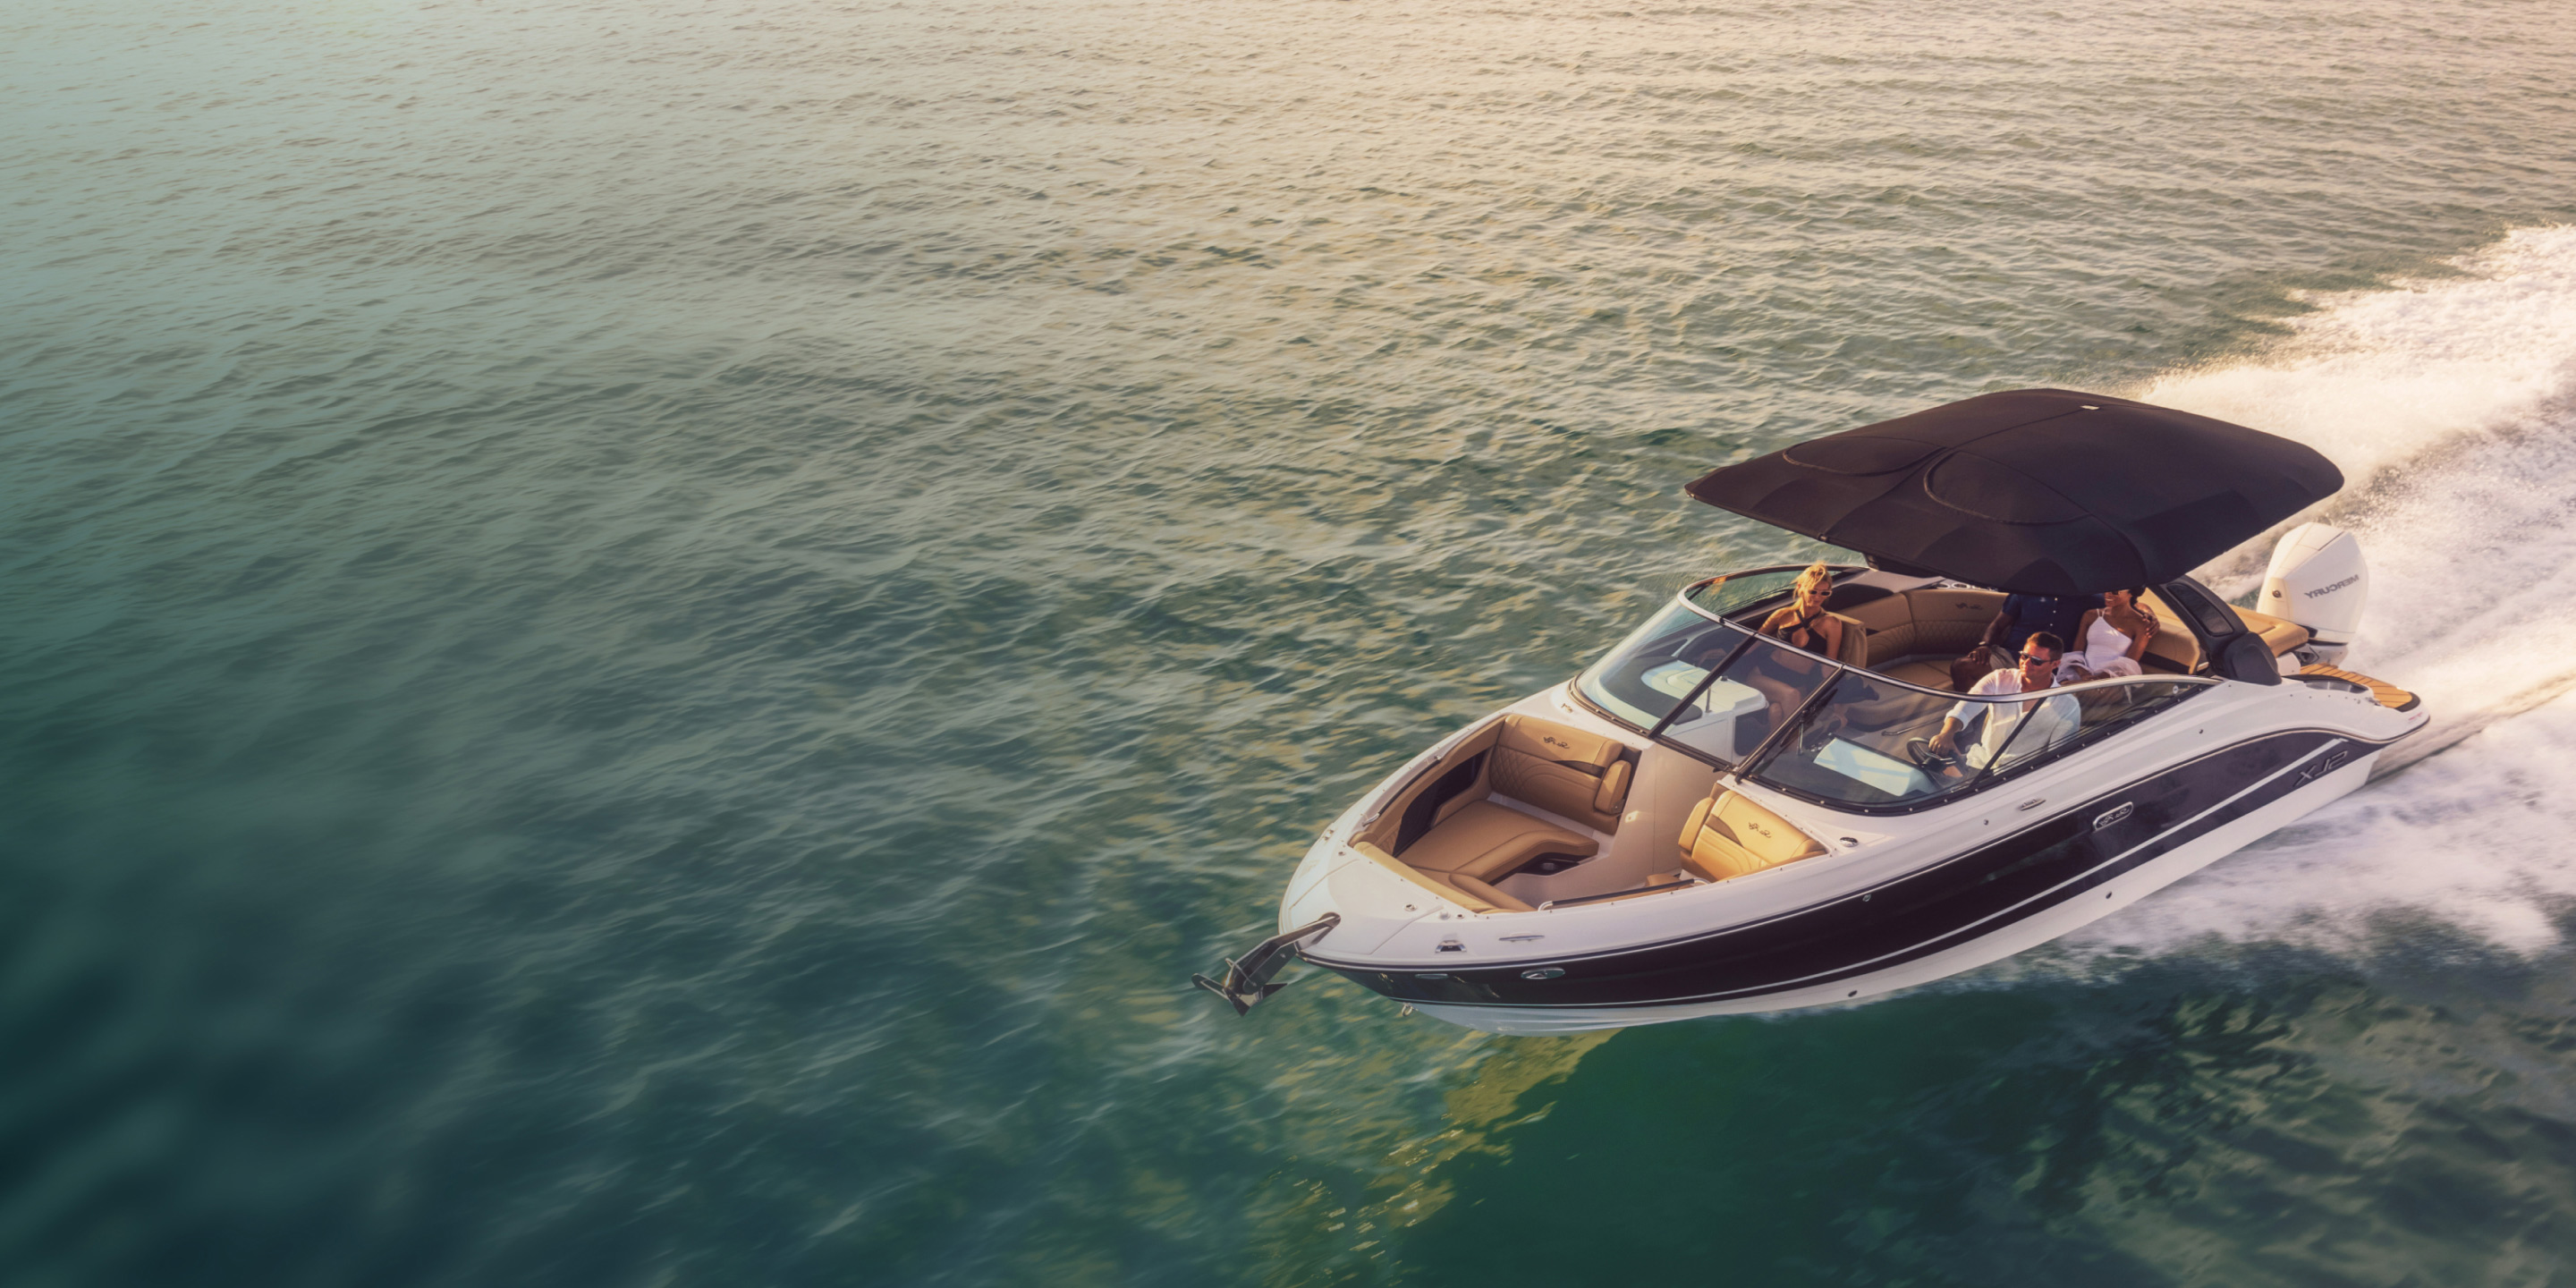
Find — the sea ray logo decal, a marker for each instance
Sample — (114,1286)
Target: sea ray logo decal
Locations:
(2115,815)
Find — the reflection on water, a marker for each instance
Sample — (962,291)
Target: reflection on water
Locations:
(643,646)
(1499,1086)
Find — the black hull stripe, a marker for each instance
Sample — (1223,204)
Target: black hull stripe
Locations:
(2218,816)
(1923,912)
(1966,856)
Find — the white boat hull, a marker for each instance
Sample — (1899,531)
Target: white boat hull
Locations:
(2006,940)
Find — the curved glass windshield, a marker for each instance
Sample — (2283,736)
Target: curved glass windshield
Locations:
(1661,675)
(1833,734)
(1652,670)
(1741,590)
(1756,690)
(1874,743)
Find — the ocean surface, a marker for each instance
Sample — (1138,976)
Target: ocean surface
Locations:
(641,643)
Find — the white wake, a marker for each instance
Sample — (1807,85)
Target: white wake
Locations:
(2450,405)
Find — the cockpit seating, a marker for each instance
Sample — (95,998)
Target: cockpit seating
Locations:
(1728,835)
(1855,650)
(2279,634)
(1447,832)
(2176,650)
(1913,636)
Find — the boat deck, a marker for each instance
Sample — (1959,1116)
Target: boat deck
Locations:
(2389,695)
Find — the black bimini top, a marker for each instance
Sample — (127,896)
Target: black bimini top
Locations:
(2038,490)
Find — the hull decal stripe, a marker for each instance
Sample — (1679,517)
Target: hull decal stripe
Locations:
(1924,912)
(2086,880)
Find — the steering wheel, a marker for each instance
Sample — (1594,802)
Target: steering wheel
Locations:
(1919,750)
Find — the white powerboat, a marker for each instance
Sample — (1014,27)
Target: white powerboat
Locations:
(1709,821)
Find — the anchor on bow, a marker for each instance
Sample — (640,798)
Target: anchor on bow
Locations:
(1247,979)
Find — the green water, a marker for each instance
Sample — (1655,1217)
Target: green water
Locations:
(641,644)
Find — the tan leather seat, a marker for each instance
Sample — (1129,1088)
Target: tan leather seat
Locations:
(2180,649)
(1484,842)
(1949,622)
(1855,650)
(1931,675)
(1914,635)
(1561,769)
(1941,624)
(1473,841)
(1730,836)
(2279,634)
(1887,622)
(2174,646)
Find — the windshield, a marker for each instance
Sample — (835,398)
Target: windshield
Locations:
(1661,674)
(1737,591)
(1651,671)
(1838,736)
(1760,688)
(1654,669)
(1874,743)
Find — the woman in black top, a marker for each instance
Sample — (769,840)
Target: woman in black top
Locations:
(1805,623)
(1786,679)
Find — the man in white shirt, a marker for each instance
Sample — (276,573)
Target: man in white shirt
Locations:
(2050,720)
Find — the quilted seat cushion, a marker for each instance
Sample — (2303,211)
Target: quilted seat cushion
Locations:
(1730,836)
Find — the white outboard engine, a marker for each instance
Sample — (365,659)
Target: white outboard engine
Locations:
(2317,579)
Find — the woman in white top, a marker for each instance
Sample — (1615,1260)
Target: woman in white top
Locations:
(2112,639)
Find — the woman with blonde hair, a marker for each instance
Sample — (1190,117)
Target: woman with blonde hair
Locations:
(1785,679)
(1805,623)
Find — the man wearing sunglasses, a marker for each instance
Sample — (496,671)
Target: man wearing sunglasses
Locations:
(2049,719)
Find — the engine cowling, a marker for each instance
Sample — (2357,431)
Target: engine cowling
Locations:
(2318,579)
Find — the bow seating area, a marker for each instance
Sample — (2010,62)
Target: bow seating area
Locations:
(1476,818)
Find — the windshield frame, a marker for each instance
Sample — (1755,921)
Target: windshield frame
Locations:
(2001,768)
(1687,599)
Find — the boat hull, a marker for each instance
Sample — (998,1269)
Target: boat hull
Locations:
(2060,873)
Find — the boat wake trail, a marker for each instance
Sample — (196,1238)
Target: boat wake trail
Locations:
(2451,407)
